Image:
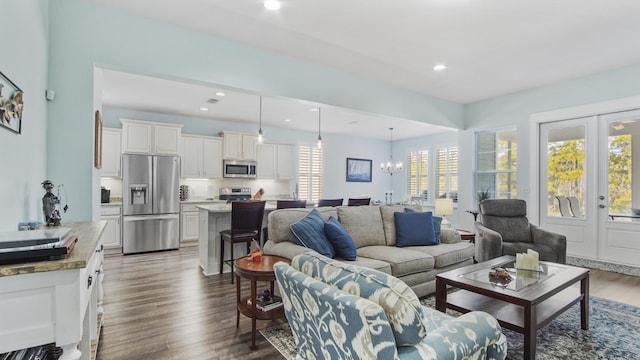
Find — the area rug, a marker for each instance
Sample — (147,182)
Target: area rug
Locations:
(614,333)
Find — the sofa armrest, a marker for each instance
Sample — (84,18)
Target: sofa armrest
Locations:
(460,338)
(555,241)
(488,243)
(449,236)
(285,249)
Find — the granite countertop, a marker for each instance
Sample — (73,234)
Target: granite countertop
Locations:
(88,234)
(201,200)
(113,203)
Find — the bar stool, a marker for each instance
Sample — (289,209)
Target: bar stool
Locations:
(330,202)
(358,201)
(246,223)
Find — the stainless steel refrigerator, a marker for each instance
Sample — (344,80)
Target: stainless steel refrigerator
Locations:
(150,203)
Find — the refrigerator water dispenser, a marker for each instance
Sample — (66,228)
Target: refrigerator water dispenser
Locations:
(139,194)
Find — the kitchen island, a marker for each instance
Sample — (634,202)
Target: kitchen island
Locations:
(56,301)
(213,219)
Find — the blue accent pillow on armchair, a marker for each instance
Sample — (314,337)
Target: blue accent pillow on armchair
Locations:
(340,239)
(414,229)
(437,224)
(310,233)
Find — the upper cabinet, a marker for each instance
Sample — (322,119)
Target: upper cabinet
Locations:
(201,157)
(145,137)
(238,146)
(275,162)
(111,153)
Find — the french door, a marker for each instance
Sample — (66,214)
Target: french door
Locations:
(589,185)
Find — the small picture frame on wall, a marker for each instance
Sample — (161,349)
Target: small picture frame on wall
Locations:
(97,151)
(11,105)
(358,170)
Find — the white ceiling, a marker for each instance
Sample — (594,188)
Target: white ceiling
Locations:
(491,47)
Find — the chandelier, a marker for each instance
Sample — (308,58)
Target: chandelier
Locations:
(390,167)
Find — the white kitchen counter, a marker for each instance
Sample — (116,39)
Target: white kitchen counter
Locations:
(213,219)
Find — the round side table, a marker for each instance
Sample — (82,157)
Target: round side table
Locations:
(245,268)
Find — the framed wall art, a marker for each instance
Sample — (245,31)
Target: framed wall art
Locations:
(358,170)
(97,151)
(11,105)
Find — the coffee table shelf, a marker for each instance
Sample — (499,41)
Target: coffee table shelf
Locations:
(509,315)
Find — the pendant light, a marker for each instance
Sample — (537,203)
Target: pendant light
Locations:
(260,130)
(319,136)
(391,168)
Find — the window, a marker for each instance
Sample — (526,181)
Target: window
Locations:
(309,173)
(446,176)
(496,167)
(417,173)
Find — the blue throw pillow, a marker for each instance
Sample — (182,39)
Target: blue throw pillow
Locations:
(414,229)
(310,233)
(340,239)
(437,224)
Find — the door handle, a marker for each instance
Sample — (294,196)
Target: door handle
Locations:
(601,197)
(602,206)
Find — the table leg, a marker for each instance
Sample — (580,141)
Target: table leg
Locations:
(530,332)
(238,298)
(441,295)
(584,303)
(253,318)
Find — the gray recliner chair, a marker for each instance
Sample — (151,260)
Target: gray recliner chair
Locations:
(505,230)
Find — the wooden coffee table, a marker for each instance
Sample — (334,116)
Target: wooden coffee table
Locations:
(527,303)
(256,271)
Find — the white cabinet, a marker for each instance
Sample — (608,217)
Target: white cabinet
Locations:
(112,236)
(111,153)
(190,222)
(275,162)
(201,157)
(145,137)
(238,146)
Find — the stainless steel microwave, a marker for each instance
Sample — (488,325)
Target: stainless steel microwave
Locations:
(245,169)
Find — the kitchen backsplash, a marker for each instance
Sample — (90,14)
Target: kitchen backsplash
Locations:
(200,189)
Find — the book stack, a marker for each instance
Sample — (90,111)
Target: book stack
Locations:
(267,303)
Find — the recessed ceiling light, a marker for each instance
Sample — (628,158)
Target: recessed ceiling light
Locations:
(313,109)
(287,120)
(272,4)
(220,94)
(353,122)
(439,67)
(204,109)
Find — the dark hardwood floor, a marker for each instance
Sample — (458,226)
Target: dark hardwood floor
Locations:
(160,306)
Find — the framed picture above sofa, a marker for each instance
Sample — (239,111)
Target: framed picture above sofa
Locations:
(358,170)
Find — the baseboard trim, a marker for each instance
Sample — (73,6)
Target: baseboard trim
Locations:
(603,265)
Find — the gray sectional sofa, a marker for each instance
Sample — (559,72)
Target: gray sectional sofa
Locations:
(373,231)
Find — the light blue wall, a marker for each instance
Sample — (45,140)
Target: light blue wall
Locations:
(84,34)
(24,27)
(515,110)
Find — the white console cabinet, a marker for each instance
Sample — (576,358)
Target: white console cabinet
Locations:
(146,137)
(57,301)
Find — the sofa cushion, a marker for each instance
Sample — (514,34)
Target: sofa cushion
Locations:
(388,220)
(403,261)
(447,254)
(414,228)
(363,223)
(437,224)
(400,303)
(340,239)
(281,220)
(310,233)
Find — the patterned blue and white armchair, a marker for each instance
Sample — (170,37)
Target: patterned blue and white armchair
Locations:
(341,311)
